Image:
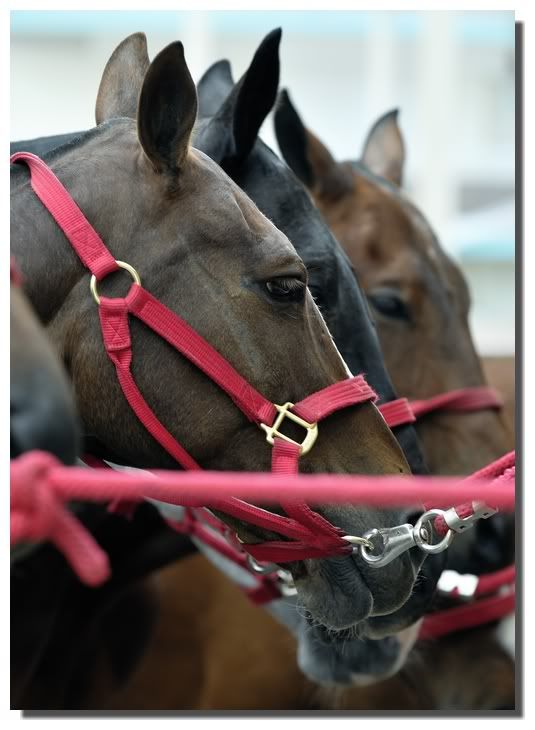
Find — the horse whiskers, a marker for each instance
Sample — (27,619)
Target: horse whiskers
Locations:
(345,635)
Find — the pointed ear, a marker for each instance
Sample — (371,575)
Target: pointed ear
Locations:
(214,87)
(122,79)
(233,127)
(167,110)
(310,160)
(384,150)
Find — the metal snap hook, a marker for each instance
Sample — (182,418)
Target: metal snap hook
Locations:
(387,543)
(391,542)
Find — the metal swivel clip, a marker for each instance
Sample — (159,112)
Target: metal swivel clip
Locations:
(388,543)
(385,544)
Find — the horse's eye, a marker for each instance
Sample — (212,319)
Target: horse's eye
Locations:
(389,303)
(286,289)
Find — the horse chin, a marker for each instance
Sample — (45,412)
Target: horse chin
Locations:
(334,593)
(405,641)
(346,658)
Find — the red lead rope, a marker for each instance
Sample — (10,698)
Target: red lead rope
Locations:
(41,489)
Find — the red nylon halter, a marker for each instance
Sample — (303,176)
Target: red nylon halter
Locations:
(464,400)
(311,535)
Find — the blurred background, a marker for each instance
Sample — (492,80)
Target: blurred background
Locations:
(451,74)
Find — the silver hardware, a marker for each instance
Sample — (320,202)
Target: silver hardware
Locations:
(426,545)
(465,583)
(258,567)
(388,544)
(391,542)
(481,511)
(286,583)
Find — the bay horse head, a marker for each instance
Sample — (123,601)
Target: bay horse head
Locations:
(418,295)
(42,410)
(203,249)
(230,117)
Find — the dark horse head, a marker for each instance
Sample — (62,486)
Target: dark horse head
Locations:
(206,251)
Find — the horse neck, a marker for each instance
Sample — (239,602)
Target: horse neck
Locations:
(50,267)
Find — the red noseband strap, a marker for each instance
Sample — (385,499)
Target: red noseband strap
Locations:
(464,400)
(310,534)
(81,235)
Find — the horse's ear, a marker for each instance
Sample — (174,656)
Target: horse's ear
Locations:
(384,150)
(310,160)
(122,79)
(232,131)
(255,94)
(167,110)
(214,87)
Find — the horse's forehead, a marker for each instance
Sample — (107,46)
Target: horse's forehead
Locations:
(429,249)
(405,230)
(211,177)
(406,236)
(237,204)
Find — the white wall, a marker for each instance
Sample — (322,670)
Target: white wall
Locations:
(451,74)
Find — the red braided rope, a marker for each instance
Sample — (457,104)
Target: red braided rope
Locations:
(41,487)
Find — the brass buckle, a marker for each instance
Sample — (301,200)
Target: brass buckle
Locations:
(122,265)
(284,412)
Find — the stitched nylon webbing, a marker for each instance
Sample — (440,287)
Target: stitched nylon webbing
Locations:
(463,399)
(81,235)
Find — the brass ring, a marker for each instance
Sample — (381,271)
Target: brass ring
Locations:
(122,265)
